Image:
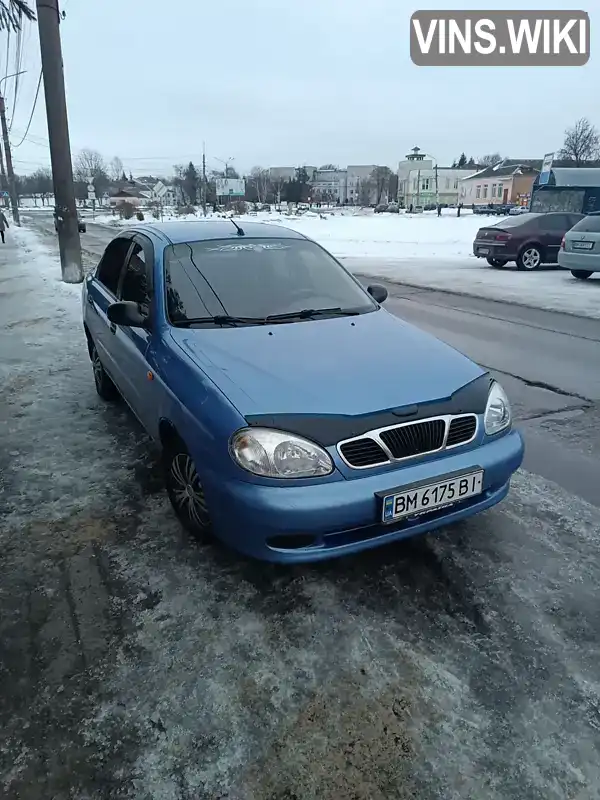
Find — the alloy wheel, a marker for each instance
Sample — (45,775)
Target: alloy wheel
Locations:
(187,494)
(531,258)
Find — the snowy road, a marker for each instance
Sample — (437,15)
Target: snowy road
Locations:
(136,665)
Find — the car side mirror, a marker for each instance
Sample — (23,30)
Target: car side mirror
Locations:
(127,313)
(378,292)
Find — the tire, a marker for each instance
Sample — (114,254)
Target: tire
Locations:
(530,258)
(496,262)
(104,385)
(581,274)
(185,492)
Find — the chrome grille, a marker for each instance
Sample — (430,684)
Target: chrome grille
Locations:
(412,440)
(462,429)
(408,440)
(364,453)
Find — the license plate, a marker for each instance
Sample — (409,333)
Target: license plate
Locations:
(583,245)
(423,499)
(483,250)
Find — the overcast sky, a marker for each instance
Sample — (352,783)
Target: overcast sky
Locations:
(284,83)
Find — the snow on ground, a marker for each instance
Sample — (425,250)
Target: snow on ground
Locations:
(44,261)
(433,252)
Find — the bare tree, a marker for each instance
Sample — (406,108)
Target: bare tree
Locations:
(90,164)
(87,164)
(366,189)
(582,143)
(12,13)
(329,166)
(260,178)
(489,160)
(116,168)
(380,180)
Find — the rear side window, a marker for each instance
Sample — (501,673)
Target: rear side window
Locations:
(555,222)
(590,224)
(111,264)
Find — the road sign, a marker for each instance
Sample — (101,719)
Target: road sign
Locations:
(160,190)
(91,195)
(546,167)
(4,194)
(232,187)
(91,187)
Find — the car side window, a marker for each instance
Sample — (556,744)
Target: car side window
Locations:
(135,285)
(556,222)
(111,264)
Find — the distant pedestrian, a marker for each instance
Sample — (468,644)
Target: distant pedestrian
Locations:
(3,225)
(439,209)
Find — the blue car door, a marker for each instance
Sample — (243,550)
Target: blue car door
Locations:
(134,346)
(101,292)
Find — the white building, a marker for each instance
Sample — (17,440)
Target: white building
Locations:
(360,188)
(328,185)
(421,182)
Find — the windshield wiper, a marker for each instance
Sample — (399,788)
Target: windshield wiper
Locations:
(311,313)
(219,319)
(305,313)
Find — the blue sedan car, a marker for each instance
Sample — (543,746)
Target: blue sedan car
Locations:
(297,419)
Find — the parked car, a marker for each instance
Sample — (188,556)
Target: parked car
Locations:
(529,239)
(580,247)
(516,210)
(393,208)
(381,208)
(203,328)
(81,224)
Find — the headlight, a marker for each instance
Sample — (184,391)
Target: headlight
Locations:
(497,411)
(276,454)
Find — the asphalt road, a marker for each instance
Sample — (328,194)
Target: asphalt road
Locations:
(137,665)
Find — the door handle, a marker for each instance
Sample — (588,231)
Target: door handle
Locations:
(113,327)
(90,299)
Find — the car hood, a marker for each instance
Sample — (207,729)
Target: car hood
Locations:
(345,365)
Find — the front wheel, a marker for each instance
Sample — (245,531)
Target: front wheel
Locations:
(581,274)
(104,385)
(496,262)
(186,493)
(529,258)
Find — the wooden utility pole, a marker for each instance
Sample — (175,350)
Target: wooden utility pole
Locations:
(3,176)
(203,179)
(58,134)
(12,186)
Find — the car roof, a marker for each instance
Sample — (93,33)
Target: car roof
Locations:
(205,230)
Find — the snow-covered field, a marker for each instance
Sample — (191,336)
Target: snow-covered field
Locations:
(428,251)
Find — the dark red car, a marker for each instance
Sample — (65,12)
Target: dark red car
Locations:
(529,239)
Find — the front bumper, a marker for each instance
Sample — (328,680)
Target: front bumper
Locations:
(321,520)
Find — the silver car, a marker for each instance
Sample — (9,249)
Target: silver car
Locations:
(580,247)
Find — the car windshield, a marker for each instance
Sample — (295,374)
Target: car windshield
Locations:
(257,278)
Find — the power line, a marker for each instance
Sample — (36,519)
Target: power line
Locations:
(18,62)
(37,92)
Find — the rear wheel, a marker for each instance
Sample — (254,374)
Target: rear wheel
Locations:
(104,385)
(496,262)
(529,258)
(581,274)
(186,492)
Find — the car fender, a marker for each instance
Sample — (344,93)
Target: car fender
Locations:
(532,243)
(202,416)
